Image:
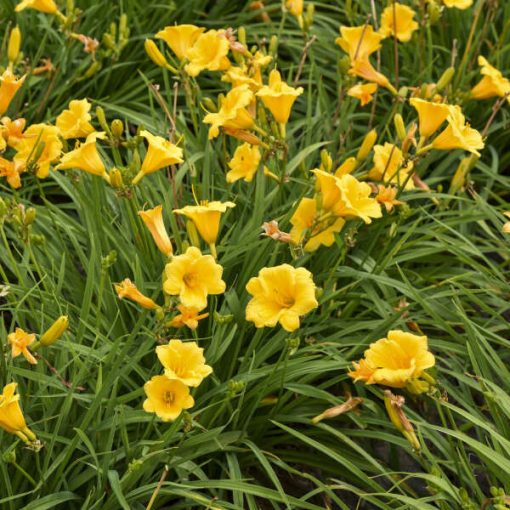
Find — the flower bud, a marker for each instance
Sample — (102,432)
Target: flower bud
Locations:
(9,456)
(433,11)
(347,167)
(154,54)
(310,11)
(209,105)
(55,331)
(222,319)
(394,405)
(445,79)
(344,64)
(399,126)
(326,160)
(116,178)
(367,145)
(192,233)
(273,45)
(117,127)
(29,216)
(241,35)
(93,69)
(14,45)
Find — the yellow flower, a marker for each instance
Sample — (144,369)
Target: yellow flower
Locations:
(11,170)
(493,83)
(347,167)
(363,92)
(459,4)
(387,196)
(280,294)
(394,361)
(166,397)
(359,42)
(356,201)
(278,97)
(55,331)
(86,157)
(180,38)
(364,69)
(330,197)
(401,16)
(160,153)
(9,85)
(244,164)
(188,317)
(11,416)
(127,289)
(232,113)
(75,121)
(12,130)
(192,276)
(458,134)
(320,232)
(430,115)
(47,6)
(153,219)
(389,166)
(184,362)
(29,148)
(295,7)
(240,76)
(20,341)
(209,52)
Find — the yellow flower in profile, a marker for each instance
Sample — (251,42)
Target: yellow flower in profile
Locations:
(153,219)
(193,276)
(397,19)
(389,166)
(29,148)
(160,153)
(11,415)
(240,76)
(394,361)
(278,97)
(9,85)
(458,134)
(305,221)
(459,4)
(20,341)
(387,196)
(430,115)
(75,121)
(363,91)
(244,163)
(127,289)
(364,69)
(47,6)
(86,157)
(180,38)
(295,7)
(11,170)
(188,317)
(356,200)
(166,397)
(233,113)
(359,42)
(280,294)
(493,83)
(206,217)
(209,52)
(184,362)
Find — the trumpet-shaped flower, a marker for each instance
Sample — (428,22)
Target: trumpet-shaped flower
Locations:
(192,276)
(153,219)
(394,361)
(206,217)
(20,341)
(41,146)
(12,170)
(180,38)
(356,200)
(127,289)
(183,361)
(359,42)
(75,121)
(86,157)
(166,397)
(363,91)
(390,166)
(398,20)
(459,4)
(244,164)
(306,224)
(278,97)
(364,69)
(9,85)
(11,415)
(430,115)
(209,52)
(47,6)
(493,83)
(187,317)
(280,294)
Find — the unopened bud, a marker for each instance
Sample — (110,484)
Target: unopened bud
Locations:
(367,145)
(326,161)
(273,45)
(400,126)
(154,54)
(222,319)
(30,214)
(93,69)
(433,11)
(55,331)
(116,178)
(101,117)
(344,64)
(117,128)
(14,45)
(445,79)
(193,234)
(209,105)
(241,35)
(347,167)
(310,11)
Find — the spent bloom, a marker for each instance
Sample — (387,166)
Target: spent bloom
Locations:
(430,115)
(20,341)
(280,294)
(363,91)
(180,38)
(75,121)
(187,317)
(9,85)
(398,20)
(47,6)
(11,415)
(127,289)
(184,362)
(244,163)
(209,52)
(493,83)
(153,219)
(166,397)
(391,167)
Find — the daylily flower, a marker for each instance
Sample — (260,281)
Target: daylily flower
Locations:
(166,397)
(127,289)
(356,200)
(430,115)
(493,83)
(47,6)
(12,130)
(188,317)
(389,166)
(359,42)
(459,4)
(9,85)
(153,219)
(180,38)
(363,91)
(244,163)
(364,69)
(11,415)
(209,52)
(397,19)
(20,341)
(387,196)
(75,121)
(12,170)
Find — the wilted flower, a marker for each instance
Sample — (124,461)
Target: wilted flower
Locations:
(397,19)
(11,416)
(244,163)
(153,219)
(20,341)
(166,397)
(47,6)
(209,52)
(127,289)
(280,294)
(363,91)
(75,122)
(188,317)
(493,83)
(9,85)
(180,38)
(391,167)
(430,115)
(272,230)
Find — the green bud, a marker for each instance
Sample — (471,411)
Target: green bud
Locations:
(117,127)
(326,160)
(445,79)
(209,105)
(344,64)
(101,117)
(241,35)
(273,45)
(222,319)
(433,11)
(30,214)
(37,239)
(292,345)
(135,465)
(9,457)
(400,126)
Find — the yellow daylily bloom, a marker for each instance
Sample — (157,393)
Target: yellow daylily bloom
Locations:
(75,121)
(9,85)
(430,115)
(359,42)
(387,196)
(11,415)
(280,294)
(278,97)
(153,219)
(12,130)
(127,289)
(327,185)
(12,171)
(363,91)
(20,341)
(188,317)
(459,4)
(356,201)
(193,276)
(160,153)
(244,163)
(180,38)
(166,397)
(364,69)
(305,221)
(493,83)
(394,361)
(47,6)
(208,53)
(206,217)
(295,7)
(240,76)
(397,19)
(28,148)
(389,166)
(184,362)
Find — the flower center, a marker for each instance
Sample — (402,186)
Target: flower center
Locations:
(169,397)
(191,279)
